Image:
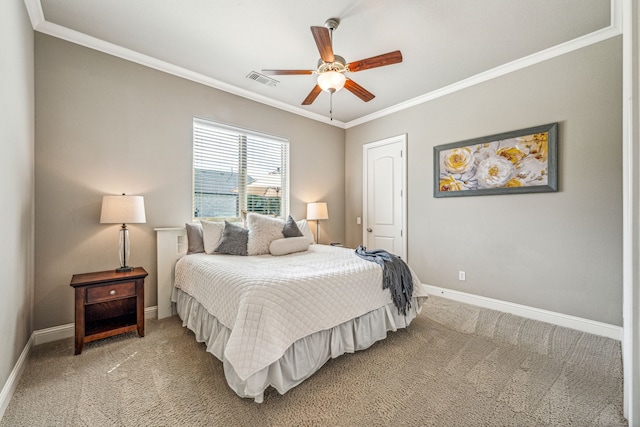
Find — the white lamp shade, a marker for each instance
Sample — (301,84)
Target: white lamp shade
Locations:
(317,210)
(331,81)
(122,210)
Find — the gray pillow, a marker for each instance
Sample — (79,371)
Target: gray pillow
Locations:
(291,228)
(195,243)
(234,240)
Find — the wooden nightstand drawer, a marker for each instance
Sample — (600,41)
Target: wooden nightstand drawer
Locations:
(111,292)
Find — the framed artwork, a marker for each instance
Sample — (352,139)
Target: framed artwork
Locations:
(522,161)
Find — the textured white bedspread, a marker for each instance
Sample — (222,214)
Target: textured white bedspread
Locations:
(270,302)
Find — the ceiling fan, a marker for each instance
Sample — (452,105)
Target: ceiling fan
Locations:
(331,68)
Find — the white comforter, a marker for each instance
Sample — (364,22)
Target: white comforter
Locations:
(270,302)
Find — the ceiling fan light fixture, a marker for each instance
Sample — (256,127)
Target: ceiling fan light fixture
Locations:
(331,81)
(331,68)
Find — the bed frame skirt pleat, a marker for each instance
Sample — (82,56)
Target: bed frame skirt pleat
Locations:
(303,357)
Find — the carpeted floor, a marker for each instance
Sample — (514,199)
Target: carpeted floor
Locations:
(456,365)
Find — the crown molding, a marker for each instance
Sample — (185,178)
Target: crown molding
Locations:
(558,50)
(39,23)
(34,10)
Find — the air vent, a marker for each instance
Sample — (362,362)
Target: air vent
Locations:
(261,78)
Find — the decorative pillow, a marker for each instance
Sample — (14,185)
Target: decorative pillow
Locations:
(289,245)
(211,233)
(303,226)
(234,240)
(262,231)
(195,243)
(291,229)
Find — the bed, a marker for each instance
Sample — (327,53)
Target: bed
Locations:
(275,320)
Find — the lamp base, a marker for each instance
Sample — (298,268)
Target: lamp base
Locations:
(124,269)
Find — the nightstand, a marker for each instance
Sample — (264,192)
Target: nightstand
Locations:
(108,303)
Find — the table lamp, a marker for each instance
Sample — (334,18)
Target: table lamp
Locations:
(315,212)
(123,210)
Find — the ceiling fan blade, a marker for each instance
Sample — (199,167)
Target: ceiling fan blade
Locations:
(323,41)
(358,90)
(312,95)
(286,72)
(376,61)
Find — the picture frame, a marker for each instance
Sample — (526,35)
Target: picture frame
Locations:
(521,161)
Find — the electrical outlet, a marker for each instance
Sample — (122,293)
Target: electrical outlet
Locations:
(462,276)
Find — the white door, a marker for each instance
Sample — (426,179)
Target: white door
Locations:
(384,194)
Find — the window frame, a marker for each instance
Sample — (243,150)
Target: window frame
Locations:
(247,135)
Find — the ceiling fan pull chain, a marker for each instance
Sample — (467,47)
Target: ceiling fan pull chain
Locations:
(331,106)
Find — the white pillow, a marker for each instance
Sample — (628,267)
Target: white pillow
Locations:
(289,245)
(262,231)
(211,233)
(303,226)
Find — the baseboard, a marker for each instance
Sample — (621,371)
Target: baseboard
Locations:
(567,321)
(40,337)
(14,377)
(56,333)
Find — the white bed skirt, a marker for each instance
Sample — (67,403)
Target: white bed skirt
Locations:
(303,357)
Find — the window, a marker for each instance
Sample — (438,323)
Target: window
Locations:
(236,170)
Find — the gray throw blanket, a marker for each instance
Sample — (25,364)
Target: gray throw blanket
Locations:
(395,275)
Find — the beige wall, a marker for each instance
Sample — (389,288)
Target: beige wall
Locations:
(107,126)
(556,251)
(16,183)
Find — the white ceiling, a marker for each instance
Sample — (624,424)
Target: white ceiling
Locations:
(216,42)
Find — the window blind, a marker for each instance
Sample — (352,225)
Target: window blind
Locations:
(236,170)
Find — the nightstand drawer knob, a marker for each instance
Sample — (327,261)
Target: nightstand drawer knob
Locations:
(112,292)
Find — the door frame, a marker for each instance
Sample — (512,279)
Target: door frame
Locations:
(631,209)
(402,139)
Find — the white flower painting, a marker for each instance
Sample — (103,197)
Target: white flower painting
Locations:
(513,162)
